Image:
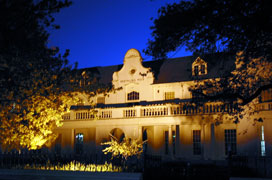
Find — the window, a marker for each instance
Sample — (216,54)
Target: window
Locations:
(79,143)
(262,142)
(266,95)
(196,142)
(202,69)
(230,141)
(169,95)
(101,100)
(166,139)
(196,70)
(197,94)
(58,144)
(145,138)
(174,141)
(84,79)
(133,96)
(199,67)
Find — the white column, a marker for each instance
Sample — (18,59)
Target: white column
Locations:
(177,140)
(170,136)
(138,111)
(140,133)
(203,141)
(73,138)
(169,111)
(213,142)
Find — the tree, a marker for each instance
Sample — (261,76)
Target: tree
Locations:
(37,84)
(125,149)
(242,29)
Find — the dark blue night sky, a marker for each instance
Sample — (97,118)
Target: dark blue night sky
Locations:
(99,32)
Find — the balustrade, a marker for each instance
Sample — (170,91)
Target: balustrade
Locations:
(129,113)
(155,111)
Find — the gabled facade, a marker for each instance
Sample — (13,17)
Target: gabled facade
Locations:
(153,103)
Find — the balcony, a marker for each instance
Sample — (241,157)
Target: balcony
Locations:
(152,110)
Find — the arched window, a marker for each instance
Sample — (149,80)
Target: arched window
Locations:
(133,96)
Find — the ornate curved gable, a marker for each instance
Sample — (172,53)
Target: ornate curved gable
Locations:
(132,72)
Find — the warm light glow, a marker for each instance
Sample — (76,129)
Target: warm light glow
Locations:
(77,166)
(37,141)
(125,149)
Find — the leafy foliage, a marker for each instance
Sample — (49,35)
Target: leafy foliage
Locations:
(126,148)
(31,74)
(241,29)
(209,26)
(37,85)
(242,87)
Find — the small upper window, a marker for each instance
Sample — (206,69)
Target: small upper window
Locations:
(133,96)
(199,67)
(266,95)
(84,79)
(101,100)
(196,72)
(169,95)
(202,69)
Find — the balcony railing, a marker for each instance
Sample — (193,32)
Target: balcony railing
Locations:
(157,111)
(154,111)
(66,116)
(86,115)
(129,113)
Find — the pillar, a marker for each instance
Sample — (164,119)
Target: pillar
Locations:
(73,138)
(213,143)
(170,140)
(140,133)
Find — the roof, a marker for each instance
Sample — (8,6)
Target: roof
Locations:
(173,70)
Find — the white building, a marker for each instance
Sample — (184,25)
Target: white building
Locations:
(153,102)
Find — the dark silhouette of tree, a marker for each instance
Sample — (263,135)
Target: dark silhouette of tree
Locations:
(242,29)
(37,84)
(209,26)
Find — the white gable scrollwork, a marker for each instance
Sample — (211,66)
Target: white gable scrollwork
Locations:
(132,71)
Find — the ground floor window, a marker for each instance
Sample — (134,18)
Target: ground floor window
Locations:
(144,138)
(166,139)
(58,144)
(196,142)
(79,143)
(230,141)
(262,142)
(174,141)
